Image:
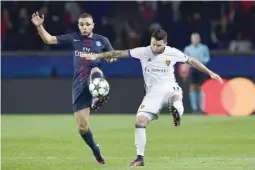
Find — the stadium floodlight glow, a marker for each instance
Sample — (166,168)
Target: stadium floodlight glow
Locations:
(238,97)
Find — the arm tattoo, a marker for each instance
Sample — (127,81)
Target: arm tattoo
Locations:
(114,54)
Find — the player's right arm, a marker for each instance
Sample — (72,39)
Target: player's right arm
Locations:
(46,37)
(113,54)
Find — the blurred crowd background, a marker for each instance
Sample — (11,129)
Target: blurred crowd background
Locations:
(222,25)
(43,73)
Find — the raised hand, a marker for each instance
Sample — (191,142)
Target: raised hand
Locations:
(216,77)
(36,19)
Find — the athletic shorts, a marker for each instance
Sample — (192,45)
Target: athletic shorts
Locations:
(81,96)
(156,98)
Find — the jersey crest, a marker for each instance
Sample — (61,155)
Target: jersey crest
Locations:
(98,43)
(167,62)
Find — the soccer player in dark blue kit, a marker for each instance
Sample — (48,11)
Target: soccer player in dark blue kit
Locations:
(84,41)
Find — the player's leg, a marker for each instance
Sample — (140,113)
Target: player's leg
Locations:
(142,120)
(140,138)
(97,102)
(146,113)
(81,109)
(176,107)
(192,91)
(96,73)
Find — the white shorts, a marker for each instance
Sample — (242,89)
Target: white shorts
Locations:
(156,99)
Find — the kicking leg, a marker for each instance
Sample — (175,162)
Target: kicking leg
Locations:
(97,102)
(82,117)
(176,108)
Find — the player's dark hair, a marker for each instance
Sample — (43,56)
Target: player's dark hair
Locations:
(159,35)
(85,15)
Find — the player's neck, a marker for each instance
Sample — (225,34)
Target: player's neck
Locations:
(88,36)
(162,51)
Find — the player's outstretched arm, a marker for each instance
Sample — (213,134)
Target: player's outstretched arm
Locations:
(46,37)
(107,55)
(201,67)
(114,54)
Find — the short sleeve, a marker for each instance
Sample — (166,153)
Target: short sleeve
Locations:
(180,56)
(107,45)
(65,39)
(136,52)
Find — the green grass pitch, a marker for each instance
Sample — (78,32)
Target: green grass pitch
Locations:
(52,142)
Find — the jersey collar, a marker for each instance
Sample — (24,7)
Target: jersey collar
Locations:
(84,37)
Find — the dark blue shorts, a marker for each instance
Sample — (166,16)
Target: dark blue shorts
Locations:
(197,77)
(81,96)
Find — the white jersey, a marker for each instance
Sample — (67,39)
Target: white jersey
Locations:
(158,69)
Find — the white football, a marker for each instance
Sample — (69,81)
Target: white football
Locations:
(99,87)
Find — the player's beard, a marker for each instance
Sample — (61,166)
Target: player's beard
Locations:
(159,51)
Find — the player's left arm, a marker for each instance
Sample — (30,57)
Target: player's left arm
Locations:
(183,58)
(201,67)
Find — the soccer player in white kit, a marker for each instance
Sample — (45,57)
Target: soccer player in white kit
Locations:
(157,62)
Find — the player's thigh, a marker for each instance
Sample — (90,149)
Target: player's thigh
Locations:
(151,105)
(175,93)
(82,101)
(81,107)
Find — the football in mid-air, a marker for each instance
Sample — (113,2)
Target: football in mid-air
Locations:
(99,87)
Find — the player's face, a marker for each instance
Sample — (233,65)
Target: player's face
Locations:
(86,26)
(195,39)
(157,46)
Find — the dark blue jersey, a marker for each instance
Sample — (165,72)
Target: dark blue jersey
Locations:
(81,44)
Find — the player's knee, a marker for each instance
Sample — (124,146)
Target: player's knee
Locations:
(95,69)
(83,125)
(176,97)
(83,128)
(141,121)
(96,73)
(82,118)
(179,106)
